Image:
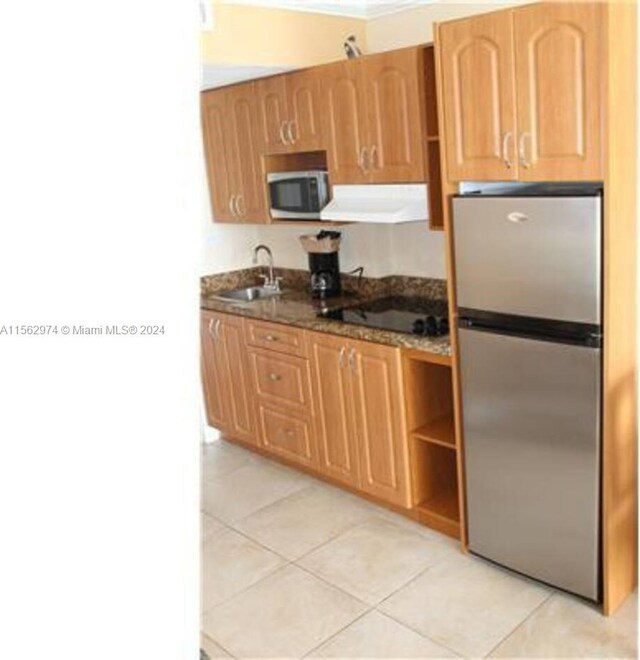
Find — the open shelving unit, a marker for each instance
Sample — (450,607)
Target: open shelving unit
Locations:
(432,440)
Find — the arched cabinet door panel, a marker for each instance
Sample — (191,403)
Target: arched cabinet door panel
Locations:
(395,116)
(479,97)
(559,57)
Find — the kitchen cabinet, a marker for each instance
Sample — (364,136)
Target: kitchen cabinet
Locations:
(376,376)
(558,55)
(282,384)
(521,93)
(234,167)
(357,387)
(228,391)
(393,85)
(250,181)
(333,392)
(375,121)
(289,112)
(220,156)
(345,122)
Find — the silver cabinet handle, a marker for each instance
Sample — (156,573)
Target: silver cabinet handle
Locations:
(231,205)
(365,159)
(217,330)
(374,158)
(271,338)
(283,138)
(236,206)
(343,350)
(239,211)
(288,432)
(522,150)
(292,128)
(352,359)
(506,139)
(211,329)
(275,377)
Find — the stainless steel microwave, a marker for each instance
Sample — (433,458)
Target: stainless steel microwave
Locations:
(298,194)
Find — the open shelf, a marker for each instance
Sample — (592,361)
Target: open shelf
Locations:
(444,504)
(435,487)
(440,431)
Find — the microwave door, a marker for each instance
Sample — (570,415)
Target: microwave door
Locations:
(291,195)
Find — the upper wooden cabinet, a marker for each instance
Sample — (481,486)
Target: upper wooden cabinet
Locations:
(345,122)
(477,97)
(289,112)
(521,93)
(220,155)
(233,156)
(375,118)
(559,59)
(368,120)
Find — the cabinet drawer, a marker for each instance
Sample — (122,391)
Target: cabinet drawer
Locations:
(287,435)
(281,379)
(276,337)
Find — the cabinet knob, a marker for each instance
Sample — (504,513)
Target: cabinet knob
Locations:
(275,377)
(271,338)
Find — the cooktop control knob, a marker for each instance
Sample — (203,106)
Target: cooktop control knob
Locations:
(418,327)
(431,326)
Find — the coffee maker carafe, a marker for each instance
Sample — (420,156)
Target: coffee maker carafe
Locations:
(324,264)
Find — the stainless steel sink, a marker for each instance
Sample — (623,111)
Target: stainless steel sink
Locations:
(250,294)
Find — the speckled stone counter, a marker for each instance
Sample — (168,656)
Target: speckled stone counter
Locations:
(296,307)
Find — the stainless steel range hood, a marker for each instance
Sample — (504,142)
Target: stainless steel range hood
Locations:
(384,204)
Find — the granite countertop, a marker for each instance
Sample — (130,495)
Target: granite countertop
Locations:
(295,306)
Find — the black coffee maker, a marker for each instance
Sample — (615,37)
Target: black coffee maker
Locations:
(324,264)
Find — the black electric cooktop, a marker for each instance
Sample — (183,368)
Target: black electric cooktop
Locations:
(416,316)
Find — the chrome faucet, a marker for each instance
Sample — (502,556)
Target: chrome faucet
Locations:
(270,282)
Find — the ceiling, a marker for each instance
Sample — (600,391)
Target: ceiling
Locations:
(357,8)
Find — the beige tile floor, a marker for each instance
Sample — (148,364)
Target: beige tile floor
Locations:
(295,568)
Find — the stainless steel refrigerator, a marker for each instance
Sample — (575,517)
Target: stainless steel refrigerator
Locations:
(528,269)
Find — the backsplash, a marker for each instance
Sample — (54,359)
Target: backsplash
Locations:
(434,288)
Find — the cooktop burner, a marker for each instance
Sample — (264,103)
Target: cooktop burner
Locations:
(417,316)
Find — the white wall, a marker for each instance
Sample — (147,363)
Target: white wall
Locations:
(382,249)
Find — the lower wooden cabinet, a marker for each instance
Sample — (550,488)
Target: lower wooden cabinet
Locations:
(332,391)
(287,435)
(227,388)
(330,404)
(362,435)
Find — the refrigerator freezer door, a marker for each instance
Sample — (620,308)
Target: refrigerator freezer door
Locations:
(531,433)
(529,256)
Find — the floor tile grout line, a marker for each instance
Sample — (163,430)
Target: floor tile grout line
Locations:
(330,584)
(208,611)
(418,632)
(284,497)
(519,625)
(215,641)
(335,634)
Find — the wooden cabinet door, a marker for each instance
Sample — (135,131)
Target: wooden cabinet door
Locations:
(213,370)
(219,153)
(332,390)
(251,202)
(478,97)
(382,440)
(559,64)
(272,113)
(303,101)
(345,122)
(241,422)
(288,435)
(395,120)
